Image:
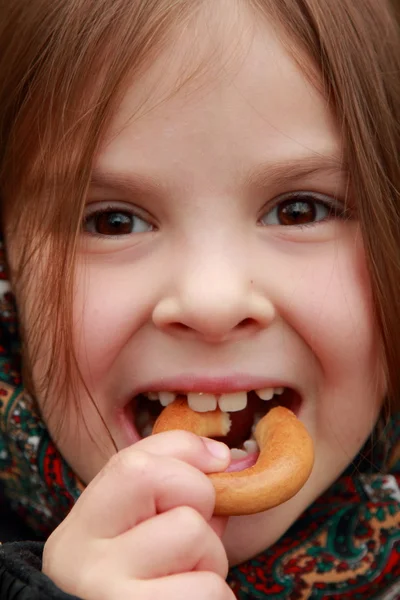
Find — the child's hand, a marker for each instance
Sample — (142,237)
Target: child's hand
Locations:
(143,528)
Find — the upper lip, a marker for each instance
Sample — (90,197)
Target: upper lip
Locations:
(212,385)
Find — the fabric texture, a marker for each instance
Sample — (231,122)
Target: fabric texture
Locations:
(21,577)
(346,545)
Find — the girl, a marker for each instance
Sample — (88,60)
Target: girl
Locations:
(198,197)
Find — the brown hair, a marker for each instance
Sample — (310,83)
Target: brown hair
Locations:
(63,65)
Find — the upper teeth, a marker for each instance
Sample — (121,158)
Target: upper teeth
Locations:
(204,402)
(165,398)
(232,402)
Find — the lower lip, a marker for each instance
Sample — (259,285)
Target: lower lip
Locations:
(240,464)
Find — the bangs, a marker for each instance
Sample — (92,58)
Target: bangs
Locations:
(64,67)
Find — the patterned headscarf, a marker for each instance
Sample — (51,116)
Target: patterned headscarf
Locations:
(346,546)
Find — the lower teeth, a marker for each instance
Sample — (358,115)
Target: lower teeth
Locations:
(251,446)
(236,453)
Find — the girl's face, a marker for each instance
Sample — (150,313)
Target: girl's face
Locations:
(216,258)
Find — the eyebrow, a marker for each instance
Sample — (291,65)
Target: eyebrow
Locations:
(294,170)
(284,172)
(128,183)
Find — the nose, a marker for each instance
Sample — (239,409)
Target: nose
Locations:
(215,302)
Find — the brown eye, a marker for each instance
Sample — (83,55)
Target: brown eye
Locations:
(299,210)
(115,223)
(296,213)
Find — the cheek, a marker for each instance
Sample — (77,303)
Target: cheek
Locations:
(333,314)
(112,303)
(333,311)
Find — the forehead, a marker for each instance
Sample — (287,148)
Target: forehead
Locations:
(229,82)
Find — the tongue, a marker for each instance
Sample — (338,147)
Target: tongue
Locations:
(240,464)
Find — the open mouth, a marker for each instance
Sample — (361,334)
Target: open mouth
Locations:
(245,409)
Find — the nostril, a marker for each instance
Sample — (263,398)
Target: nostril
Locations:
(213,331)
(246,323)
(179,326)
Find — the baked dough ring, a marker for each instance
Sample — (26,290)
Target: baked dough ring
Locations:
(283,466)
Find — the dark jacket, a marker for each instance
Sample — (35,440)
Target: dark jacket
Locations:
(21,576)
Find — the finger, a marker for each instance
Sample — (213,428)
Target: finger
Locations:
(134,487)
(176,541)
(156,445)
(205,454)
(194,585)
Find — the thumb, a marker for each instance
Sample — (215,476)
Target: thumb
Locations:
(203,453)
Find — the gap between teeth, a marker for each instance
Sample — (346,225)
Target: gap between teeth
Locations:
(204,402)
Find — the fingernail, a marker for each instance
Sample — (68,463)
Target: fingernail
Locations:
(217,449)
